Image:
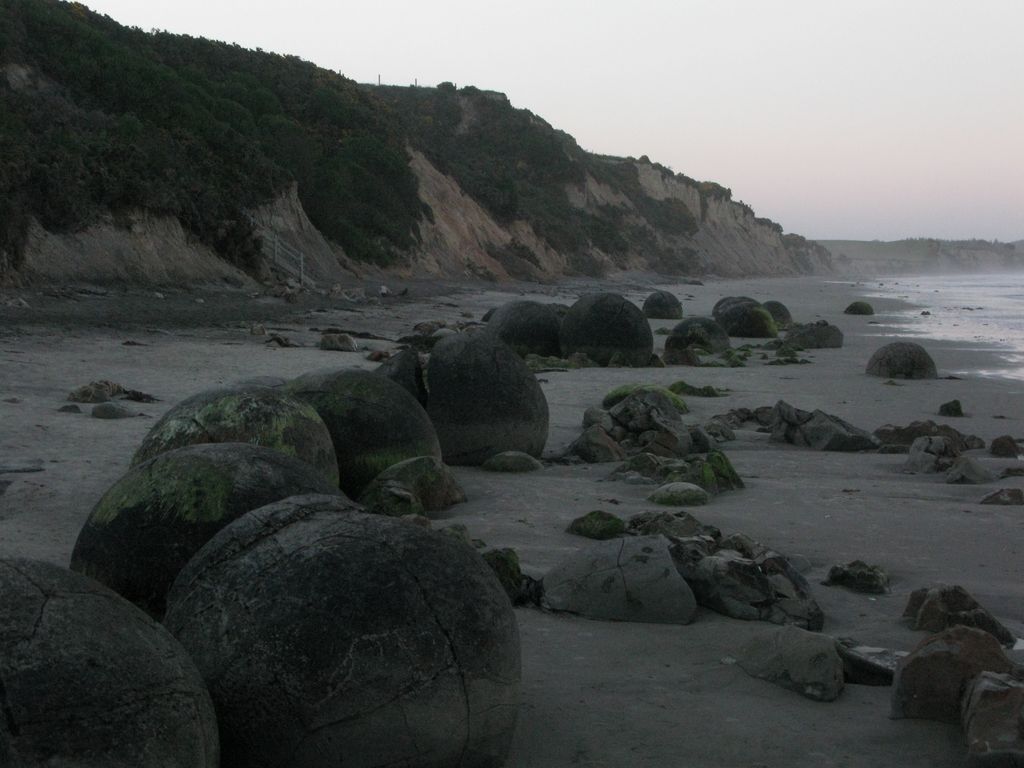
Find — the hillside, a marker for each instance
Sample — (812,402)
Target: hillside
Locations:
(151,157)
(924,256)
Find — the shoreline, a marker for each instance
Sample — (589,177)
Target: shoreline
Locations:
(636,693)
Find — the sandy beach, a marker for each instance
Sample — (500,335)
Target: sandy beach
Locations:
(594,694)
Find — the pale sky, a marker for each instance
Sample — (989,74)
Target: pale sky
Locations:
(857,119)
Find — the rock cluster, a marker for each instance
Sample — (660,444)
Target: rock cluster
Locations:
(819,430)
(645,421)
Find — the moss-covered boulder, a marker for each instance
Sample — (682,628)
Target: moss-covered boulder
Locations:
(662,305)
(859,308)
(780,313)
(729,303)
(257,415)
(512,461)
(702,333)
(713,472)
(505,564)
(902,360)
(151,521)
(374,422)
(529,327)
(679,494)
(817,335)
(620,393)
(413,487)
(598,524)
(605,326)
(682,388)
(370,641)
(484,400)
(90,680)
(748,321)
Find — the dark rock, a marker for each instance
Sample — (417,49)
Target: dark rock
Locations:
(653,424)
(607,328)
(412,487)
(512,461)
(111,411)
(597,524)
(728,303)
(355,640)
(1005,497)
(902,360)
(893,435)
(662,305)
(404,368)
(860,577)
(817,335)
(713,472)
(600,417)
(621,392)
(930,682)
(930,454)
(951,409)
(69,409)
(801,661)
(244,414)
(505,564)
(818,430)
(1005,446)
(373,421)
(529,327)
(484,400)
(992,715)
(937,608)
(670,524)
(595,446)
(338,342)
(779,312)
(859,308)
(90,680)
(151,521)
(748,321)
(629,579)
(700,332)
(867,665)
(968,471)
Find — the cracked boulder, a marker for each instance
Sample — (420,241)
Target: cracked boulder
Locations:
(801,661)
(374,422)
(652,424)
(992,716)
(608,329)
(702,333)
(818,430)
(529,327)
(356,640)
(934,609)
(413,487)
(866,664)
(484,400)
(90,680)
(930,682)
(244,414)
(628,579)
(151,521)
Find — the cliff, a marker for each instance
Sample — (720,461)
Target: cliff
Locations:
(920,256)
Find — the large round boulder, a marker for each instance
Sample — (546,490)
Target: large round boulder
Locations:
(701,332)
(404,368)
(662,305)
(529,327)
(369,643)
(89,680)
(728,303)
(152,520)
(484,400)
(904,360)
(609,330)
(820,334)
(258,415)
(780,313)
(750,321)
(374,422)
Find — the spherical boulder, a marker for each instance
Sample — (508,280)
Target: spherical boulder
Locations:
(258,415)
(369,643)
(404,368)
(484,400)
(820,334)
(374,422)
(728,303)
(529,327)
(662,305)
(152,520)
(780,313)
(859,308)
(702,332)
(609,330)
(902,359)
(89,680)
(751,321)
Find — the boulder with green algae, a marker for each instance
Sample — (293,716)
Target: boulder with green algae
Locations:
(512,461)
(90,681)
(505,564)
(682,388)
(780,313)
(412,487)
(373,421)
(701,332)
(748,321)
(151,521)
(859,308)
(679,494)
(712,472)
(597,524)
(540,363)
(620,393)
(605,326)
(244,414)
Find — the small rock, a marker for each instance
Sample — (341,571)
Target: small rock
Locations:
(511,461)
(860,577)
(952,408)
(968,471)
(937,608)
(867,665)
(1005,496)
(679,495)
(378,355)
(802,661)
(930,454)
(111,411)
(337,342)
(69,409)
(1005,446)
(597,524)
(596,446)
(670,524)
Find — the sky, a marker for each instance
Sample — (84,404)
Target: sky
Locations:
(840,119)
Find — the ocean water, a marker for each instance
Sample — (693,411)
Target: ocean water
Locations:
(983,310)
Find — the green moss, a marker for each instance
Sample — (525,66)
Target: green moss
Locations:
(597,524)
(620,393)
(682,388)
(505,564)
(725,473)
(733,358)
(859,308)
